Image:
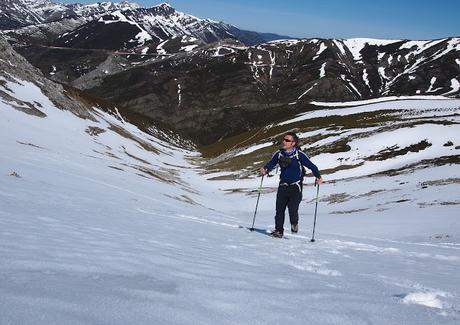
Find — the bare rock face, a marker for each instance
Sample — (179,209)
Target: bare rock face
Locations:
(15,68)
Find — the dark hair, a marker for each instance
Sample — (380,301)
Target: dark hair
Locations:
(294,136)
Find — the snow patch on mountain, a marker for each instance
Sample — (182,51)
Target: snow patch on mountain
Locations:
(454,85)
(322,70)
(117,16)
(355,45)
(322,48)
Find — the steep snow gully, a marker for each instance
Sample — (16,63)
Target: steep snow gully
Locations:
(102,223)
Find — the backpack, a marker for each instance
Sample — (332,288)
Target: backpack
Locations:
(285,161)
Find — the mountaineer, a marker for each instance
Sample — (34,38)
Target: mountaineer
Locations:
(292,161)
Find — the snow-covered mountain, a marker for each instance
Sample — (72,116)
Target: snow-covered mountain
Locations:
(20,13)
(41,22)
(174,62)
(76,25)
(365,68)
(107,219)
(253,86)
(15,14)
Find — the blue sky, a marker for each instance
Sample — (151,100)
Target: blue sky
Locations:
(393,19)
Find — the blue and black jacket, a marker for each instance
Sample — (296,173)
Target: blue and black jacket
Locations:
(293,172)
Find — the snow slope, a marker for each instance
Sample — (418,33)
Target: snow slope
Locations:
(101,223)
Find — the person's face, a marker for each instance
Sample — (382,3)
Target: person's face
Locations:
(288,142)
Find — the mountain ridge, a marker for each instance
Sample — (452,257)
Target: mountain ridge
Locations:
(196,74)
(19,15)
(252,85)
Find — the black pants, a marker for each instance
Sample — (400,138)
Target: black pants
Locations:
(287,196)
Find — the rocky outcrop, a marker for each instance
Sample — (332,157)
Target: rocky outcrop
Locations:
(224,89)
(13,67)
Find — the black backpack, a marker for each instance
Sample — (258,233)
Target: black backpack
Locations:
(285,161)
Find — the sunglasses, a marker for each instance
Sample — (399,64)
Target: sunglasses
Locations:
(288,140)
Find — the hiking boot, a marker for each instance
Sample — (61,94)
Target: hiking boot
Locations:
(277,234)
(295,228)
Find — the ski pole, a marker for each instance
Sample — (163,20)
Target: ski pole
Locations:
(316,209)
(257,204)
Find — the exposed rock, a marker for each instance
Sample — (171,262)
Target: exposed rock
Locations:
(12,64)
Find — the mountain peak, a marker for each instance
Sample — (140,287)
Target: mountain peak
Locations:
(163,8)
(129,4)
(110,4)
(164,5)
